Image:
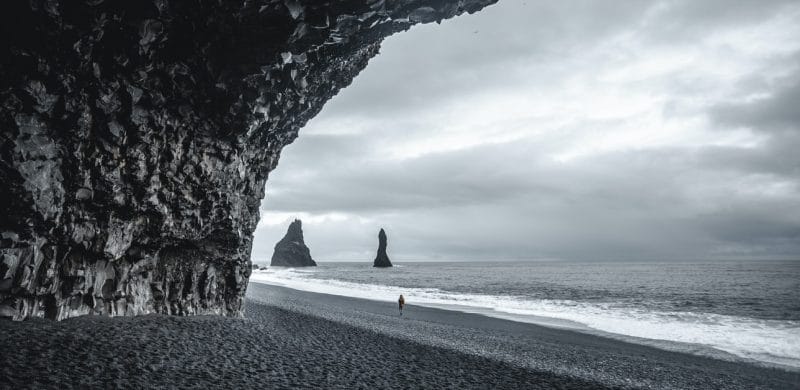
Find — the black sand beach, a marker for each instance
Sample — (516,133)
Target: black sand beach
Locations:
(293,339)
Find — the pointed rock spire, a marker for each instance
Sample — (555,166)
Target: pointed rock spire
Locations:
(382,260)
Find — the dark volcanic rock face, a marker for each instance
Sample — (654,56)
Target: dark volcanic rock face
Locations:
(291,250)
(382,259)
(137,137)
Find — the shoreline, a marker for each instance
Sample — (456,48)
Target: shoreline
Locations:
(562,351)
(708,343)
(296,339)
(572,326)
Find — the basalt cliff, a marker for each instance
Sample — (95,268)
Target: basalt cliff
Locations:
(137,137)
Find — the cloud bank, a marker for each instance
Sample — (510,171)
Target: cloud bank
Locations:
(576,130)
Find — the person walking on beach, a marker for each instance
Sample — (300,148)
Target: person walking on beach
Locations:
(401,302)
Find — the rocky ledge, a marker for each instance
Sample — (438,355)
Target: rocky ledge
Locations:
(137,137)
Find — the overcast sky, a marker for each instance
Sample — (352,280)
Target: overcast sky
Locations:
(575,130)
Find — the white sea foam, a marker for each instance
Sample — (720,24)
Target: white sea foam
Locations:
(769,341)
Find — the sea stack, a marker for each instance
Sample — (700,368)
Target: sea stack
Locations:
(382,260)
(291,250)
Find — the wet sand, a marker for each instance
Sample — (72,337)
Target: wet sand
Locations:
(294,339)
(565,353)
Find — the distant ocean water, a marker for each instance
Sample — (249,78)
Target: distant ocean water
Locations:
(750,310)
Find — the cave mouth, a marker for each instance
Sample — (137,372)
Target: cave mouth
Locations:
(137,140)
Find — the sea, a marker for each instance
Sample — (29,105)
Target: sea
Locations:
(743,310)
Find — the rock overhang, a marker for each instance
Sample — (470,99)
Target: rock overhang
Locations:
(138,137)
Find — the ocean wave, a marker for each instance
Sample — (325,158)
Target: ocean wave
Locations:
(768,341)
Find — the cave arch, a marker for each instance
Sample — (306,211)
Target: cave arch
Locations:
(141,135)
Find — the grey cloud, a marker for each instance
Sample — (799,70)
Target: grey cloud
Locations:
(777,157)
(753,225)
(435,180)
(499,200)
(719,13)
(511,200)
(686,20)
(779,111)
(480,52)
(483,51)
(776,117)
